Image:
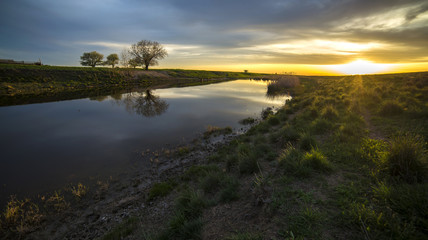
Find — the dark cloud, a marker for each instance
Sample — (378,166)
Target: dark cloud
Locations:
(61,30)
(414,13)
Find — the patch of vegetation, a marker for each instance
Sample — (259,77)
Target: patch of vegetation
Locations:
(329,112)
(266,112)
(58,202)
(307,142)
(407,158)
(198,171)
(216,131)
(273,120)
(248,164)
(160,190)
(186,222)
(79,191)
(247,121)
(182,151)
(124,229)
(390,108)
(20,217)
(320,126)
(317,161)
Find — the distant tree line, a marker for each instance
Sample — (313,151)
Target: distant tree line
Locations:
(144,53)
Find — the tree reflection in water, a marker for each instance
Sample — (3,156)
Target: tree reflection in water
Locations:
(143,103)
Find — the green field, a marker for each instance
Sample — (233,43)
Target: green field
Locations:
(344,159)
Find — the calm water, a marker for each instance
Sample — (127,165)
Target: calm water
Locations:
(45,146)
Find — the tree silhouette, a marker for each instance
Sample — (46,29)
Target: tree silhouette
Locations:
(144,103)
(91,59)
(148,52)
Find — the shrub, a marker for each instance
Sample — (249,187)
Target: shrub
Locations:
(407,158)
(390,108)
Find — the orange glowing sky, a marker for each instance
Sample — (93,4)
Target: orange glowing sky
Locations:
(275,36)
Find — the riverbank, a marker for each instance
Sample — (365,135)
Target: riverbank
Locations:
(23,84)
(342,160)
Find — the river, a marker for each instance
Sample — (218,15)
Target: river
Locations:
(48,145)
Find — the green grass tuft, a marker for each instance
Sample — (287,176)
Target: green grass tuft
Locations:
(407,158)
(307,142)
(160,190)
(316,160)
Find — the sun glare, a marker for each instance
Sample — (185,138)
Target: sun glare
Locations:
(360,67)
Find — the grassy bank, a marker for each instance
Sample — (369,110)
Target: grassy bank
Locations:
(342,160)
(346,158)
(23,84)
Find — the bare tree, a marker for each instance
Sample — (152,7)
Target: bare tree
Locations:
(148,52)
(112,60)
(125,57)
(91,59)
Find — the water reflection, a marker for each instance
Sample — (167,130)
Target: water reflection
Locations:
(278,85)
(69,141)
(144,103)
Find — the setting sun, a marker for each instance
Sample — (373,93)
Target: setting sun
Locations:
(360,67)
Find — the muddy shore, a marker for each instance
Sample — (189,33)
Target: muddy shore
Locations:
(117,199)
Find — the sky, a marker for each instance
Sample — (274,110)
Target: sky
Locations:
(301,36)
